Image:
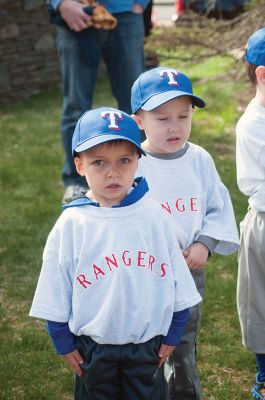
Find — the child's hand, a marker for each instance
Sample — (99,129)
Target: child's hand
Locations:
(196,255)
(74,359)
(164,351)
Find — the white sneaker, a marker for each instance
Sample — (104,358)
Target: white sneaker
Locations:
(72,192)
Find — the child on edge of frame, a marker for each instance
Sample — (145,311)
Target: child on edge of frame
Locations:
(250,163)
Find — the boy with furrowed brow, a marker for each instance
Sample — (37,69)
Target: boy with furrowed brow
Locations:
(182,177)
(114,285)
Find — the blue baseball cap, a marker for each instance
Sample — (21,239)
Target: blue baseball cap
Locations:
(159,85)
(103,125)
(255,51)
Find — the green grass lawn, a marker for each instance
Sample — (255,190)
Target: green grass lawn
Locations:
(31,192)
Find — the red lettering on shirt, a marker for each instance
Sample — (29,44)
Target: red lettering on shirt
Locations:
(117,261)
(140,258)
(180,207)
(98,271)
(127,262)
(163,270)
(193,203)
(166,207)
(82,280)
(151,262)
(112,261)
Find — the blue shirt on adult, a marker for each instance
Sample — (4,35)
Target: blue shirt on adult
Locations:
(113,6)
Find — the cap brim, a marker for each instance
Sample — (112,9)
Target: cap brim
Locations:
(88,144)
(162,98)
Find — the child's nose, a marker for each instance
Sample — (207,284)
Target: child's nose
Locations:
(113,170)
(173,127)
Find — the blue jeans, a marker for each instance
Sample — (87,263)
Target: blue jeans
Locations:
(260,360)
(80,55)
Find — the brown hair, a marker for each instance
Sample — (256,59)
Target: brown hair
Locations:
(240,55)
(251,71)
(119,142)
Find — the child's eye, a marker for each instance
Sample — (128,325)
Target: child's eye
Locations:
(125,160)
(162,119)
(183,116)
(98,163)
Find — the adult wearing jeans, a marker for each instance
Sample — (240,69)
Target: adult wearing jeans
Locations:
(80,50)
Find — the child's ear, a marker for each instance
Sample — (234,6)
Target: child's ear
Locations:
(260,74)
(79,165)
(138,120)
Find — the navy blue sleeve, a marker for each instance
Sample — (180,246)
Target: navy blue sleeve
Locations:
(176,328)
(62,339)
(53,3)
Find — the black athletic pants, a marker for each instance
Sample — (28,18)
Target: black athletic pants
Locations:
(120,372)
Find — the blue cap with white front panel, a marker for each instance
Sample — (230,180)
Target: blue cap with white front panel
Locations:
(159,85)
(102,125)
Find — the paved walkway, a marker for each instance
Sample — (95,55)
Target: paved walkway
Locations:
(162,11)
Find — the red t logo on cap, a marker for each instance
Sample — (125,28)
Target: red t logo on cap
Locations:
(113,116)
(171,74)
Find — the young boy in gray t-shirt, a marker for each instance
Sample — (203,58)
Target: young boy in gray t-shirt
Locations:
(114,285)
(182,177)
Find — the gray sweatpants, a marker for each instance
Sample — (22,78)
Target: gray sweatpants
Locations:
(251,281)
(180,369)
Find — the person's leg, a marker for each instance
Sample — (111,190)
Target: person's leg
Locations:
(180,369)
(260,360)
(251,282)
(148,18)
(101,378)
(258,389)
(251,292)
(140,376)
(79,72)
(124,56)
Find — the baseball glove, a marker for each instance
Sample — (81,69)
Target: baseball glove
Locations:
(100,17)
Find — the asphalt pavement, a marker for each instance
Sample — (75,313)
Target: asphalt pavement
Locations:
(163,11)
